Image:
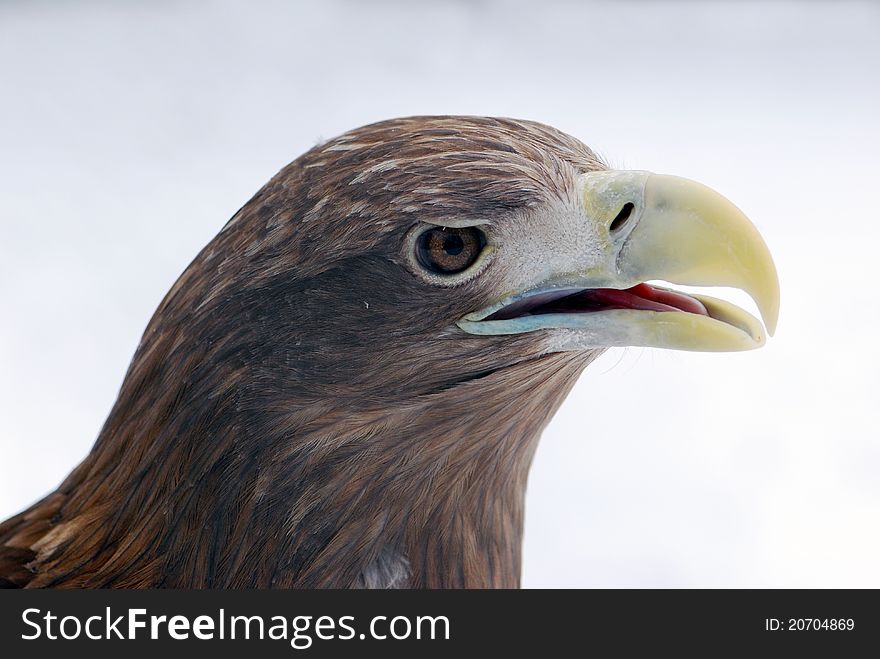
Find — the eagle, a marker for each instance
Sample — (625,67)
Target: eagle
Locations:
(346,387)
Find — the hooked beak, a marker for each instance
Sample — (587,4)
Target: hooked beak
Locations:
(651,227)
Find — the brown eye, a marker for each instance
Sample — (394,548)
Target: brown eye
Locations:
(447,250)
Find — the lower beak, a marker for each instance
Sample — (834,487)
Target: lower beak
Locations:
(653,227)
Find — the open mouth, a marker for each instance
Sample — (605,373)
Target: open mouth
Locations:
(642,297)
(641,315)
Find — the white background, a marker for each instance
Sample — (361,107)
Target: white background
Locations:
(130,132)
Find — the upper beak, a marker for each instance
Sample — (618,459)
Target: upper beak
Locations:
(655,227)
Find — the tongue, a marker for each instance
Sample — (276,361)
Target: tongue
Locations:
(647,298)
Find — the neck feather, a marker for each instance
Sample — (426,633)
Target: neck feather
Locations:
(430,492)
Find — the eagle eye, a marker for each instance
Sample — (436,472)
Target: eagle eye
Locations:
(449,250)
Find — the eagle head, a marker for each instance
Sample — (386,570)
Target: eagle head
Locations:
(347,385)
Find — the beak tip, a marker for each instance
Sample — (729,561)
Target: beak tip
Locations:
(770,312)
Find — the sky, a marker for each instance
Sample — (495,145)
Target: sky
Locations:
(130,132)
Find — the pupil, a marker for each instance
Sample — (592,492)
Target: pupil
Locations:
(453,245)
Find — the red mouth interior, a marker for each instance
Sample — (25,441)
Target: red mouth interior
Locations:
(643,297)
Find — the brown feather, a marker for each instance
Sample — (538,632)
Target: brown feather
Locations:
(301,410)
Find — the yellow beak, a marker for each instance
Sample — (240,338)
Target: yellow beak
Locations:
(658,227)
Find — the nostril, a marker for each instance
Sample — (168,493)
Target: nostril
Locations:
(622,216)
